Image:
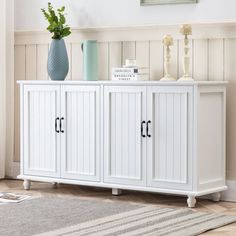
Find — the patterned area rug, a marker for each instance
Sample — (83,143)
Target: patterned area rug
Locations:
(74,217)
(148,221)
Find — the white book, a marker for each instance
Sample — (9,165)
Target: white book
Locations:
(135,70)
(12,198)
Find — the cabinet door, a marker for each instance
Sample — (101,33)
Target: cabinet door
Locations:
(80,149)
(124,148)
(169,149)
(41,143)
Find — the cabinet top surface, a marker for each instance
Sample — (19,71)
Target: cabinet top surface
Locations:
(109,82)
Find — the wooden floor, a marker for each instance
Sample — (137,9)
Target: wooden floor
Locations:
(68,191)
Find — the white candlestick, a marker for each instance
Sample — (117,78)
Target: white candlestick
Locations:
(167,42)
(186,30)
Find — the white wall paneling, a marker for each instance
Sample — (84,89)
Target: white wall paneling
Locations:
(42,56)
(216,59)
(200,59)
(20,72)
(69,52)
(76,61)
(156,60)
(230,72)
(31,62)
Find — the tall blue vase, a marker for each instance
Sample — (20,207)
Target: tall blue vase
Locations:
(58,63)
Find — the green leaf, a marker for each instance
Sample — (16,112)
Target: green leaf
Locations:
(57,22)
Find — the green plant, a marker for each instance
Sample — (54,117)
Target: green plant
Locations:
(57,22)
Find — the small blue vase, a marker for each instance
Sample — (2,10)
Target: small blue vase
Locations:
(58,63)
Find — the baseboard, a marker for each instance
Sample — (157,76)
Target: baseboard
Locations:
(229,195)
(15,170)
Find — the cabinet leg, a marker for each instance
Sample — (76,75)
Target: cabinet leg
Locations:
(191,201)
(116,191)
(26,184)
(216,197)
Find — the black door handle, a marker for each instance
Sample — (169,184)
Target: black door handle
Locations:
(142,134)
(56,120)
(147,129)
(62,131)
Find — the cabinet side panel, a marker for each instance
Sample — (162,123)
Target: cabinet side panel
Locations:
(211,138)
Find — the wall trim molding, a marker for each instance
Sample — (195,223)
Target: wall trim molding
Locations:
(15,170)
(228,196)
(144,32)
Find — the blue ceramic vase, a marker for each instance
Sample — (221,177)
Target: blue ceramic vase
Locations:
(58,64)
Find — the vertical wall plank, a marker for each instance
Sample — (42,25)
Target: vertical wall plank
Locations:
(216,59)
(200,59)
(156,60)
(143,58)
(42,56)
(19,75)
(115,55)
(31,62)
(20,62)
(229,75)
(181,53)
(128,50)
(76,62)
(103,65)
(142,53)
(69,47)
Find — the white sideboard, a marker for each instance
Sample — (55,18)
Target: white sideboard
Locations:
(163,137)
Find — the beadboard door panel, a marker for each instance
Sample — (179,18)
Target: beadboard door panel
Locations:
(124,148)
(41,142)
(80,139)
(169,150)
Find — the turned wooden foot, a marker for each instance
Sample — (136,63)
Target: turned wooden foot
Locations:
(26,184)
(191,201)
(116,191)
(216,197)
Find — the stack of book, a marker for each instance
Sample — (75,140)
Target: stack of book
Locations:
(130,73)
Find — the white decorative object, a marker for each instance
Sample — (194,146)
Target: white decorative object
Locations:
(167,42)
(140,135)
(186,30)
